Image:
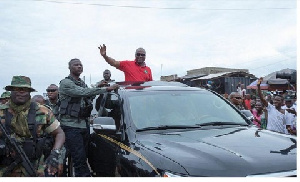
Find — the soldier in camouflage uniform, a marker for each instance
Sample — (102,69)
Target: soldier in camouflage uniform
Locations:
(4,98)
(16,116)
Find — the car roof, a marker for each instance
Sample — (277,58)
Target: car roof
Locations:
(155,85)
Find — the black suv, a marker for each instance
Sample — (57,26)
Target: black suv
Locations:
(169,129)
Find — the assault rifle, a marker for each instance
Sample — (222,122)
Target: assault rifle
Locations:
(20,157)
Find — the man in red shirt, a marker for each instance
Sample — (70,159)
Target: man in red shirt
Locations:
(134,70)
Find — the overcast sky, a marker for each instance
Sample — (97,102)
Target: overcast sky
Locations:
(39,37)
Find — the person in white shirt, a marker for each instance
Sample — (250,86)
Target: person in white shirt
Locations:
(292,112)
(277,117)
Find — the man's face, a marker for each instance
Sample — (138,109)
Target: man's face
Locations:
(106,75)
(40,101)
(288,103)
(20,96)
(277,101)
(140,56)
(52,92)
(236,99)
(76,67)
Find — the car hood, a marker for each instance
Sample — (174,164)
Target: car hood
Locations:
(234,151)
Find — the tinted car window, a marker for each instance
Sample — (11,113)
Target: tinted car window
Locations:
(152,109)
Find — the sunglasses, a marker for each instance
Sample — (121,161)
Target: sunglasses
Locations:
(20,89)
(51,90)
(238,97)
(139,54)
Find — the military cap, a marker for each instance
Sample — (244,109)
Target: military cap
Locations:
(20,82)
(5,95)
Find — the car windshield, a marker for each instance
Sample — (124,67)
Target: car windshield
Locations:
(176,108)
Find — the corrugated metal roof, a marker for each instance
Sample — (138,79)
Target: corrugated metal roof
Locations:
(211,76)
(193,76)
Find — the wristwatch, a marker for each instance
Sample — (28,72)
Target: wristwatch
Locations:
(56,151)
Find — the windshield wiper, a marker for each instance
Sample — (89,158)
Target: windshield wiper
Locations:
(166,127)
(219,123)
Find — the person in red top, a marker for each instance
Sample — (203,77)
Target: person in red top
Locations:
(247,101)
(134,70)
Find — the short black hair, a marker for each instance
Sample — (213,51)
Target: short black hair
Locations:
(74,59)
(232,94)
(281,97)
(53,85)
(107,70)
(140,49)
(35,97)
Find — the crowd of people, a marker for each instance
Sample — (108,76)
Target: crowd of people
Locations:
(276,112)
(61,123)
(45,131)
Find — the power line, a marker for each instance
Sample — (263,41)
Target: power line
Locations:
(163,8)
(272,64)
(260,59)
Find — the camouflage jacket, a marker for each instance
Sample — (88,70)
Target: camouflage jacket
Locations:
(46,123)
(45,119)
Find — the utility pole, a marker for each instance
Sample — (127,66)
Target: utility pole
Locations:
(161,66)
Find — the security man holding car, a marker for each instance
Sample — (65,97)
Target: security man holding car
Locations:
(74,110)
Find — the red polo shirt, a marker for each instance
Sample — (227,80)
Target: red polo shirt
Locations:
(134,72)
(248,104)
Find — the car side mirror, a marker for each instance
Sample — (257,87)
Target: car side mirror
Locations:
(104,125)
(248,114)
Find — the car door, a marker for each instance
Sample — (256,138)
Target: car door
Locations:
(102,151)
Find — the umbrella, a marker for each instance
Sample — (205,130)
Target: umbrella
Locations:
(263,85)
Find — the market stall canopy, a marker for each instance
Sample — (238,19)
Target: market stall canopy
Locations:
(263,85)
